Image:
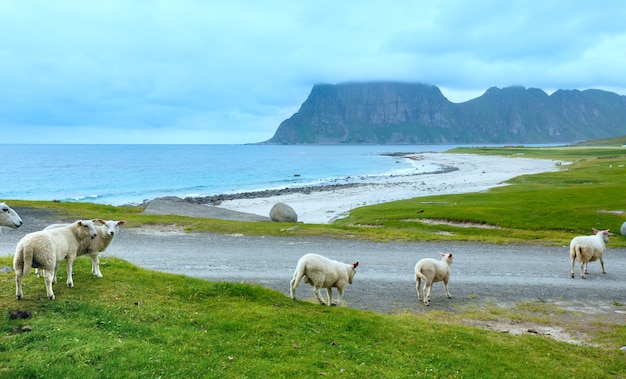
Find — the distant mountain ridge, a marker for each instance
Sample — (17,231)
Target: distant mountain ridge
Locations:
(415,113)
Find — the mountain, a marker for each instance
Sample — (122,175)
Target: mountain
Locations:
(415,113)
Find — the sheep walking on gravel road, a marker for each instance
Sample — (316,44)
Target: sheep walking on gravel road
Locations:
(587,249)
(321,272)
(8,217)
(430,270)
(46,249)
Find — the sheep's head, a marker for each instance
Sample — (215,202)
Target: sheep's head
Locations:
(112,226)
(8,217)
(605,234)
(447,257)
(88,227)
(353,271)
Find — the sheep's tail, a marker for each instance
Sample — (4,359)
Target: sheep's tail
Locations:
(23,259)
(421,276)
(576,253)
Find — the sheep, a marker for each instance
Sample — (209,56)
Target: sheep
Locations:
(430,270)
(321,272)
(46,249)
(93,247)
(8,217)
(588,249)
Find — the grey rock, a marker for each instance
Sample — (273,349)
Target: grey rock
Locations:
(623,229)
(282,212)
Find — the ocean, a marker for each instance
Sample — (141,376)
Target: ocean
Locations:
(133,174)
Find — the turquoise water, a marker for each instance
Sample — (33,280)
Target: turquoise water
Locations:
(131,174)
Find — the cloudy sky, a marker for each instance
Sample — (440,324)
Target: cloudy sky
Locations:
(194,71)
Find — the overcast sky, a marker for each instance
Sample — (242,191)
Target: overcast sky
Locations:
(193,71)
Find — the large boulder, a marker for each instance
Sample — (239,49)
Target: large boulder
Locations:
(282,212)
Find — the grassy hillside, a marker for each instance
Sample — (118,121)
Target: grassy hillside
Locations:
(135,323)
(548,208)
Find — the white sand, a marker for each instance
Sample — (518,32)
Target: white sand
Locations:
(475,173)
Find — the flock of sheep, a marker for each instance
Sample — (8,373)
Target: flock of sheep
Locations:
(46,249)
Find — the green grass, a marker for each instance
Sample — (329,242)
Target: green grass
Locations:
(139,323)
(548,208)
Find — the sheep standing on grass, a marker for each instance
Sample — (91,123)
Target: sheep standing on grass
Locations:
(93,247)
(587,249)
(321,272)
(46,249)
(8,217)
(430,270)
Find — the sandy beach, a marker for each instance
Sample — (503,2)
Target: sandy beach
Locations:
(474,173)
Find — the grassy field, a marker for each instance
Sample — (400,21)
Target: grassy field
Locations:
(140,323)
(137,323)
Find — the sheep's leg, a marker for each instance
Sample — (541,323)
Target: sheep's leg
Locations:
(18,284)
(602,264)
(316,292)
(445,286)
(293,285)
(68,266)
(582,270)
(54,273)
(586,268)
(427,287)
(330,296)
(48,276)
(95,265)
(418,284)
(572,270)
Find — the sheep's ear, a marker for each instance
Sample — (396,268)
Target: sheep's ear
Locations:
(121,222)
(443,254)
(595,231)
(450,255)
(99,220)
(356,264)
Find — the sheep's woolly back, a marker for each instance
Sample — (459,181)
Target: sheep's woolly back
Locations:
(589,248)
(46,249)
(8,217)
(432,269)
(42,248)
(106,231)
(321,272)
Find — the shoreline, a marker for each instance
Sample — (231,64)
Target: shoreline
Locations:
(459,173)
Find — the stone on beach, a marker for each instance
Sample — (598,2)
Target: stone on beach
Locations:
(282,212)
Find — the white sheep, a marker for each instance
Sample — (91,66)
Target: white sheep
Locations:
(430,270)
(8,217)
(321,272)
(587,249)
(93,247)
(46,249)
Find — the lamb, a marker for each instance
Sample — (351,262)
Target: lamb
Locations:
(8,217)
(93,247)
(588,249)
(321,272)
(46,249)
(430,270)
